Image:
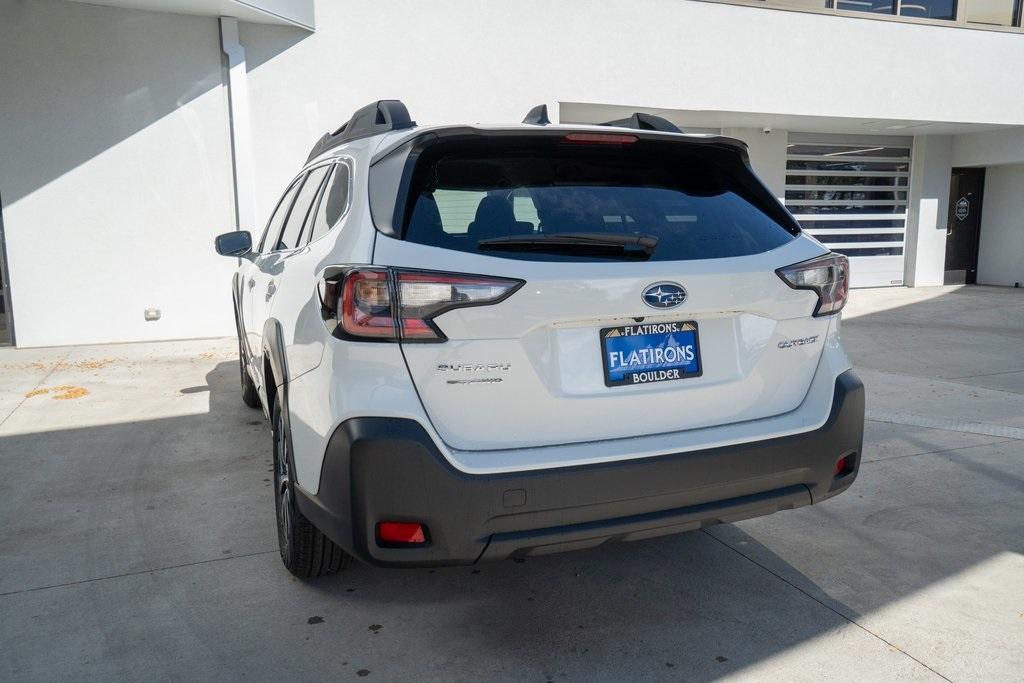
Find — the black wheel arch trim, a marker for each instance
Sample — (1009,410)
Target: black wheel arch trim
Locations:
(236,305)
(273,353)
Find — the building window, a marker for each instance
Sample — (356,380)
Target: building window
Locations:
(922,9)
(929,9)
(994,12)
(873,6)
(977,13)
(812,4)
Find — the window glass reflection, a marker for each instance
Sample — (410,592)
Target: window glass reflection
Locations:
(813,4)
(874,6)
(995,12)
(929,9)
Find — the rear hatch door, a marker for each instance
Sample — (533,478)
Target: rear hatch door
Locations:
(608,337)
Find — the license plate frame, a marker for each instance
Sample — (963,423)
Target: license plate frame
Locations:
(650,373)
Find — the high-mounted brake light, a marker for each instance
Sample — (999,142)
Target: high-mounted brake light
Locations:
(599,139)
(390,304)
(828,276)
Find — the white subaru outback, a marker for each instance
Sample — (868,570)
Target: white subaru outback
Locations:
(477,343)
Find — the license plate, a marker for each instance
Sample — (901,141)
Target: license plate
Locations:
(650,352)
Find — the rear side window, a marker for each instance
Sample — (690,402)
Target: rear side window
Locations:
(292,232)
(333,203)
(690,203)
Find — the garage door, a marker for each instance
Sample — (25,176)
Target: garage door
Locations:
(850,192)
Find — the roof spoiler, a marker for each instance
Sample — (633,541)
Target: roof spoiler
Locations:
(381,116)
(538,116)
(642,121)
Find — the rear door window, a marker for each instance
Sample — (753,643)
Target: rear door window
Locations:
(276,221)
(292,232)
(690,203)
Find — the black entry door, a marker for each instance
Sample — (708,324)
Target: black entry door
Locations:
(964,225)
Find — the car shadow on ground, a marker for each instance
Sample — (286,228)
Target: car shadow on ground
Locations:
(103,503)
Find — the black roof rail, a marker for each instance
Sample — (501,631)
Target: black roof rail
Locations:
(379,117)
(538,116)
(641,121)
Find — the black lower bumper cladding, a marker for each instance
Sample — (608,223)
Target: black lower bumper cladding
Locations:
(378,469)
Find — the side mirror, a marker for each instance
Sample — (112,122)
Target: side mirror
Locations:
(238,243)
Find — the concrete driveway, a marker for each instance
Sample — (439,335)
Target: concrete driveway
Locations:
(138,538)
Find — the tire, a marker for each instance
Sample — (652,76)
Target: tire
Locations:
(305,550)
(250,395)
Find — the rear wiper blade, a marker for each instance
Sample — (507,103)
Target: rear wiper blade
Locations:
(590,243)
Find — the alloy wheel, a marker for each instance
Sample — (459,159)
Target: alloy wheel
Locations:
(284,501)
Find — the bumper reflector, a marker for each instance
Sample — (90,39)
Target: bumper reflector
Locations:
(844,465)
(406,533)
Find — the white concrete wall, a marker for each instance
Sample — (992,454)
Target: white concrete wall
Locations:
(925,248)
(1001,249)
(115,173)
(115,166)
(990,148)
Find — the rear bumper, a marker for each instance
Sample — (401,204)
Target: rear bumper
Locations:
(378,469)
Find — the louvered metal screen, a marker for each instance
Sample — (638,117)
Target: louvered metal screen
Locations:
(851,193)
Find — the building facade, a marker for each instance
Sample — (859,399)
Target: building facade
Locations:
(134,131)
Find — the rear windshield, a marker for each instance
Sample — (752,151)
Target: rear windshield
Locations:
(695,203)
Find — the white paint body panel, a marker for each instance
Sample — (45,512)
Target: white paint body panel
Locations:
(548,332)
(376,383)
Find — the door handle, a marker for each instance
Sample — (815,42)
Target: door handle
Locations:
(271,288)
(252,283)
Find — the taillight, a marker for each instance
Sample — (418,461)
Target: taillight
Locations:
(828,276)
(365,304)
(425,295)
(391,303)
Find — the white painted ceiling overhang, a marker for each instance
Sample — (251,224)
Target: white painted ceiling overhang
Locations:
(285,12)
(585,112)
